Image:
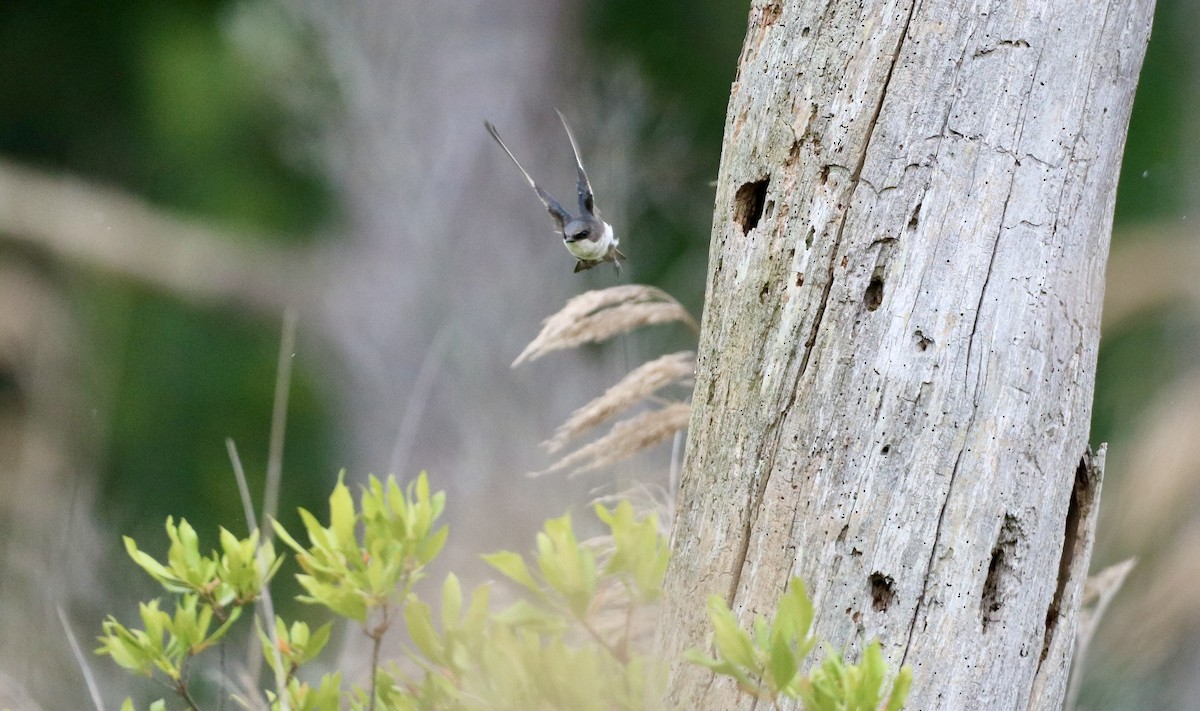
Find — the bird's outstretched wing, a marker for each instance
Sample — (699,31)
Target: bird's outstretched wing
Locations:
(587,200)
(561,216)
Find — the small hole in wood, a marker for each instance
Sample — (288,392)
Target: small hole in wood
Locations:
(874,295)
(1001,572)
(883,591)
(748,204)
(886,450)
(912,221)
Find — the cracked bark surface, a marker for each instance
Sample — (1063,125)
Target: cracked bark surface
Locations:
(898,350)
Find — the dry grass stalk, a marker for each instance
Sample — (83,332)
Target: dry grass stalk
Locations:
(644,381)
(597,315)
(625,439)
(1150,625)
(1098,591)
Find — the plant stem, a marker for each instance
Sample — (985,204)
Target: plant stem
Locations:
(182,690)
(376,636)
(617,654)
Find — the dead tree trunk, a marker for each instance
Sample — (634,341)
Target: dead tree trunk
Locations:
(900,335)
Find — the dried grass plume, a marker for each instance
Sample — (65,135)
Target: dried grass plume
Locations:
(644,381)
(625,439)
(601,314)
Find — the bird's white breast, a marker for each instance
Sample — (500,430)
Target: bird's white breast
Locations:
(592,251)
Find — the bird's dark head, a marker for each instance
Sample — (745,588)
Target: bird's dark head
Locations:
(580,229)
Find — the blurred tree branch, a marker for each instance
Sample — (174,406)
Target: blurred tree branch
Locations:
(100,227)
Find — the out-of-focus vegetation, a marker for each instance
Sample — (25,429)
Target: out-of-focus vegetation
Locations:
(570,642)
(153,98)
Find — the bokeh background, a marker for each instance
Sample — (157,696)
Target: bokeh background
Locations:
(173,176)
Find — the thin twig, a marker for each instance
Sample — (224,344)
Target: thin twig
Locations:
(376,636)
(616,653)
(283,380)
(265,607)
(1098,592)
(181,687)
(406,433)
(243,489)
(88,677)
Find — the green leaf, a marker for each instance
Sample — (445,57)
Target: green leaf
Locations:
(522,615)
(432,545)
(900,689)
(640,552)
(478,612)
(782,664)
(128,648)
(327,696)
(568,568)
(732,642)
(452,600)
(870,682)
(720,666)
(151,566)
(793,619)
(341,513)
(419,618)
(316,642)
(513,567)
(286,537)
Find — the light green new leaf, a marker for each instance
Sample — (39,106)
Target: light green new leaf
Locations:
(723,667)
(900,689)
(419,618)
(341,515)
(793,619)
(568,568)
(316,642)
(782,664)
(286,537)
(526,617)
(478,612)
(640,552)
(513,567)
(128,648)
(321,540)
(156,570)
(431,545)
(452,600)
(732,642)
(870,679)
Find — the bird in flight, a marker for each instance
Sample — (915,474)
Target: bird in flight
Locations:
(588,238)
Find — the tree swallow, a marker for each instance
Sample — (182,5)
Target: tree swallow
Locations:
(587,237)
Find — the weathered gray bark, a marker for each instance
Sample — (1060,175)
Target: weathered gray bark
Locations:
(900,335)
